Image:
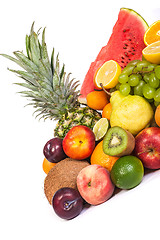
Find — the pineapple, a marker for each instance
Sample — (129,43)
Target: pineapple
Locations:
(51,91)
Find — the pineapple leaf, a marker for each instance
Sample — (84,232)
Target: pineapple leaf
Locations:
(26,76)
(28,46)
(12,59)
(52,61)
(56,80)
(44,53)
(29,86)
(34,47)
(50,90)
(27,64)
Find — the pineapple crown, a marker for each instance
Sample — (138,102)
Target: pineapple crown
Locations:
(49,88)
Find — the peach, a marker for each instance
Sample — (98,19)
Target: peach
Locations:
(94,184)
(79,142)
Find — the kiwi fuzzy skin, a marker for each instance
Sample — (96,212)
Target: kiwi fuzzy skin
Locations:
(130,146)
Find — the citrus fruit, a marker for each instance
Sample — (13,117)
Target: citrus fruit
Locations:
(97,99)
(157,115)
(100,128)
(127,172)
(100,158)
(107,75)
(153,33)
(152,52)
(106,113)
(47,165)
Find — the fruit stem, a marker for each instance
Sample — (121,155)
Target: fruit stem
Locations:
(149,150)
(105,89)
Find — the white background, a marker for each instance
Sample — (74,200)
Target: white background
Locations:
(77,30)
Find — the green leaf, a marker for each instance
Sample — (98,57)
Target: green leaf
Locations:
(31,87)
(26,76)
(55,80)
(27,64)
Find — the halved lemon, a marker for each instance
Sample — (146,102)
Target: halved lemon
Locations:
(152,52)
(152,34)
(107,75)
(100,128)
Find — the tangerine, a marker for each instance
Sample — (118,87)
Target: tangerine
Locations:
(106,113)
(47,165)
(97,99)
(157,115)
(100,158)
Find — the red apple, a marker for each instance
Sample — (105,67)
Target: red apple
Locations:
(94,184)
(147,147)
(79,142)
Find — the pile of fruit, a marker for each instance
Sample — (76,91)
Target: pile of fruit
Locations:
(108,142)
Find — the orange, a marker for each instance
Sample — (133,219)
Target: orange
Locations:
(97,99)
(152,34)
(47,165)
(100,158)
(107,75)
(157,115)
(106,113)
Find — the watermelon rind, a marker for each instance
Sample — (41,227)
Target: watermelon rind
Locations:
(137,15)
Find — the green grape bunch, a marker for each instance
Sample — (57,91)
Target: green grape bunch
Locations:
(141,78)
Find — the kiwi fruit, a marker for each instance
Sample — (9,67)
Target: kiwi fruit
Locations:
(118,142)
(63,174)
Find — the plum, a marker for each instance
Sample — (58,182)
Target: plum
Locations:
(53,150)
(67,203)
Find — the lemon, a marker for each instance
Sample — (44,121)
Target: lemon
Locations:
(152,52)
(107,75)
(128,112)
(100,128)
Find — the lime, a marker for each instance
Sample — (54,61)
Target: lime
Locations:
(127,172)
(100,128)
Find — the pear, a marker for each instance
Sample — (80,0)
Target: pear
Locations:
(132,112)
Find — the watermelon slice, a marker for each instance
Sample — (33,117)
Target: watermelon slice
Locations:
(125,44)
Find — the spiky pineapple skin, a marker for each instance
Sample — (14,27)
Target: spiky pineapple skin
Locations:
(80,116)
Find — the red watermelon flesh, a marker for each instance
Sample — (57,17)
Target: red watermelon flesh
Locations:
(125,44)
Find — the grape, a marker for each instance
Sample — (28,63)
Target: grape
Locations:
(118,86)
(153,80)
(156,103)
(150,67)
(53,150)
(123,78)
(148,91)
(133,80)
(157,95)
(133,62)
(141,65)
(157,71)
(138,88)
(67,203)
(125,89)
(128,69)
(146,77)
